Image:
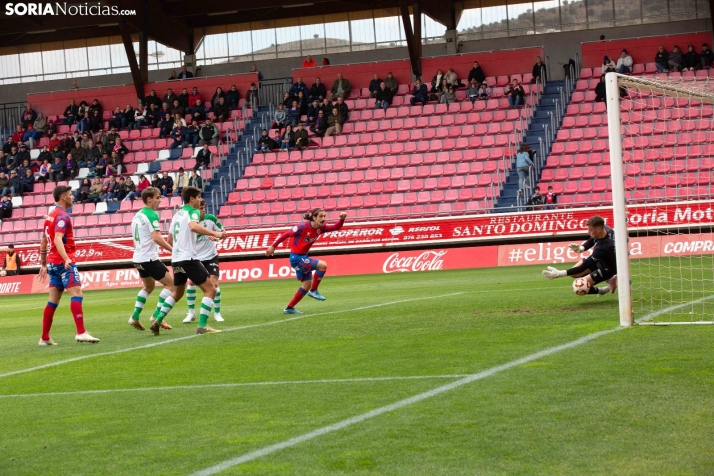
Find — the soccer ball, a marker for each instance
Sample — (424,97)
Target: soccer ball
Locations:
(581,286)
(3,273)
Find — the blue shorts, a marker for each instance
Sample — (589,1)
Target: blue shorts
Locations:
(303,266)
(61,278)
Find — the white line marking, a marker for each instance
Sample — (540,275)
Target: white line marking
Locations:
(418,398)
(250,326)
(652,315)
(232,385)
(395,406)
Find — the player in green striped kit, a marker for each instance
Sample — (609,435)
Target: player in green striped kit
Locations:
(147,237)
(184,260)
(206,250)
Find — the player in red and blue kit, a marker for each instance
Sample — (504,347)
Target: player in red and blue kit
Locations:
(302,236)
(59,266)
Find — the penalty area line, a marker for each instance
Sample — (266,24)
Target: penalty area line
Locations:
(267,450)
(230,329)
(234,385)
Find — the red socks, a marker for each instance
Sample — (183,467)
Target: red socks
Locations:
(316,278)
(47,317)
(298,296)
(75,305)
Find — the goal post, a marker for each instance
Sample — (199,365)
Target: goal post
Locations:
(661,143)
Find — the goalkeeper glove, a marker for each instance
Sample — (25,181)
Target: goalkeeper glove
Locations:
(552,273)
(577,248)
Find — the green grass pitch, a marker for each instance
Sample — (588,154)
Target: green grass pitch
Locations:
(637,401)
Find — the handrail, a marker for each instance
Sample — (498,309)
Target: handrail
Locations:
(213,202)
(578,65)
(543,77)
(547,65)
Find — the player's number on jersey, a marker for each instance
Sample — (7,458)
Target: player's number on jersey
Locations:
(175,232)
(136,234)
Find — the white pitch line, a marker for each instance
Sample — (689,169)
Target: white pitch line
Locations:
(250,326)
(232,385)
(652,315)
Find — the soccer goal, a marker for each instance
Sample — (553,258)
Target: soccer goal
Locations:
(661,138)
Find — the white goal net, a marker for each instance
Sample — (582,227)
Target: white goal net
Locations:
(662,160)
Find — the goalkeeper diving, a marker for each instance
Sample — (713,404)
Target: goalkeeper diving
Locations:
(600,266)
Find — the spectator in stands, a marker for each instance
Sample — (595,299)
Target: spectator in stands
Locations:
(95,107)
(166,185)
(110,190)
(608,66)
(297,87)
(195,180)
(600,93)
(216,98)
(254,69)
(95,190)
(5,207)
(325,62)
(18,134)
(181,182)
(81,195)
(312,112)
(155,181)
(252,97)
(538,70)
(185,73)
(383,96)
(12,160)
(326,107)
(293,114)
(78,153)
(706,57)
(55,141)
(51,128)
(484,91)
(287,100)
(70,113)
(317,91)
(516,94)
(662,59)
(23,155)
(31,136)
(308,62)
(28,115)
(44,154)
(84,124)
(92,155)
(3,160)
(102,164)
(44,173)
(452,78)
(341,106)
(83,109)
(152,98)
(419,93)
(341,87)
(198,111)
(301,137)
(288,138)
(334,123)
(174,76)
(523,165)
(266,143)
(178,134)
(477,74)
(302,102)
(177,108)
(152,116)
(192,98)
(192,133)
(232,98)
(536,201)
(169,97)
(140,187)
(551,198)
(624,63)
(27,181)
(9,144)
(116,120)
(436,81)
(280,118)
(84,141)
(40,124)
(374,85)
(391,83)
(139,118)
(183,99)
(319,127)
(690,60)
(23,166)
(110,138)
(166,121)
(56,152)
(119,148)
(70,168)
(221,111)
(209,133)
(56,170)
(203,158)
(4,184)
(472,92)
(15,184)
(675,59)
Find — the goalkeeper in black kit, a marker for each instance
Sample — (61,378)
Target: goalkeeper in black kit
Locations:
(600,265)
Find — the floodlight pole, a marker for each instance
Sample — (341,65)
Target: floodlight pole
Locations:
(612,90)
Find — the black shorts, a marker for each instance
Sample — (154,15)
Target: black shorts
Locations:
(11,273)
(152,269)
(193,270)
(212,267)
(601,274)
